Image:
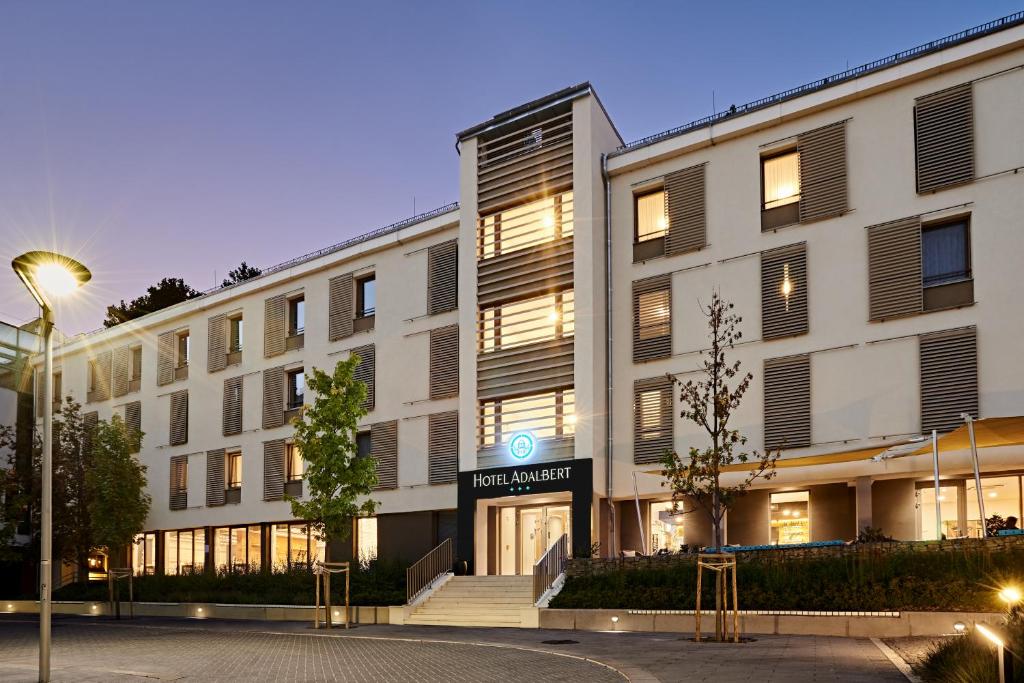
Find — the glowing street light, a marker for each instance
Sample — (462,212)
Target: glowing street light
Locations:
(48,277)
(1010,595)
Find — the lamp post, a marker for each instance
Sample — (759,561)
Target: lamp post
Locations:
(998,637)
(47,276)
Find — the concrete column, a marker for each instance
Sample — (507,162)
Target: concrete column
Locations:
(864,516)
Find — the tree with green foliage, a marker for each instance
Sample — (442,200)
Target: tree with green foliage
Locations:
(116,485)
(240,274)
(19,490)
(167,292)
(340,482)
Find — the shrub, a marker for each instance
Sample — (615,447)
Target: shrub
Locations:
(971,659)
(379,583)
(915,581)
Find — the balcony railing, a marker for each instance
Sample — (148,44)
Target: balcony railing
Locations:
(550,566)
(422,575)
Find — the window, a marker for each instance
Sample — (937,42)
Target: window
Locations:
(293,463)
(366,296)
(184,551)
(949,504)
(649,414)
(292,545)
(654,318)
(136,364)
(527,225)
(651,221)
(237,549)
(524,322)
(235,334)
(363,445)
(789,518)
(547,416)
(183,350)
(1002,496)
(780,176)
(366,540)
(296,389)
(93,375)
(666,527)
(233,466)
(945,254)
(296,315)
(144,554)
(57,388)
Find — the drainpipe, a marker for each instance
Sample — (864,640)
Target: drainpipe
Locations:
(608,350)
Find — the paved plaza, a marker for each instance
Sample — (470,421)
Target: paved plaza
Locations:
(164,649)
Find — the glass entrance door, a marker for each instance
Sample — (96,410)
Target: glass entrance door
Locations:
(539,529)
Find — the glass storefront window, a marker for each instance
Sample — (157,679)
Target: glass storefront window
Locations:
(221,544)
(666,528)
(366,539)
(790,522)
(199,550)
(298,545)
(144,554)
(1002,497)
(170,552)
(949,504)
(238,561)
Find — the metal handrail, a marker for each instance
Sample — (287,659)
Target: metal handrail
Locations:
(422,574)
(550,566)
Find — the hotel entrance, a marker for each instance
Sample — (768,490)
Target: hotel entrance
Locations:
(526,532)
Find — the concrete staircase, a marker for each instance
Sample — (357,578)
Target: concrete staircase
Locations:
(498,601)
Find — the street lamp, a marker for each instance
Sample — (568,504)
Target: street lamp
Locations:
(48,276)
(998,637)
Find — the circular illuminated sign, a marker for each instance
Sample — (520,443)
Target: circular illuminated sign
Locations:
(521,445)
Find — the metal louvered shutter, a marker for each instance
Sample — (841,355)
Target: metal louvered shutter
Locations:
(894,269)
(215,477)
(133,423)
(787,402)
(444,362)
(217,343)
(101,377)
(273,469)
(232,419)
(273,397)
(165,358)
(443,448)
(823,185)
(652,318)
(366,372)
(384,448)
(275,326)
(90,421)
(179,418)
(340,307)
(687,216)
(443,277)
(653,424)
(179,482)
(949,378)
(120,360)
(944,138)
(781,315)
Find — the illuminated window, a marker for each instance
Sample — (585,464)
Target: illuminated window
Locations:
(144,554)
(547,416)
(293,462)
(949,506)
(654,315)
(543,318)
(650,414)
(651,221)
(233,465)
(666,527)
(781,178)
(294,546)
(1002,496)
(524,226)
(184,551)
(237,549)
(789,518)
(366,539)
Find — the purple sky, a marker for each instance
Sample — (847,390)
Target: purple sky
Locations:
(179,138)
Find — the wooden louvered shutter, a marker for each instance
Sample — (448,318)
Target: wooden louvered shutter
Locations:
(653,428)
(165,358)
(273,397)
(366,372)
(121,359)
(443,277)
(685,208)
(90,421)
(340,307)
(443,447)
(102,369)
(783,316)
(944,138)
(384,448)
(822,172)
(179,418)
(179,482)
(787,402)
(275,326)
(133,422)
(215,477)
(232,420)
(273,469)
(894,269)
(652,318)
(217,343)
(444,362)
(949,378)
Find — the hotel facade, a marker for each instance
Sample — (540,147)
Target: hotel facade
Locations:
(518,345)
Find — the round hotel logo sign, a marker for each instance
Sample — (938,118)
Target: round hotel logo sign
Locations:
(521,445)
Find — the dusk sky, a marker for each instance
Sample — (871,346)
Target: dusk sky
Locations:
(179,138)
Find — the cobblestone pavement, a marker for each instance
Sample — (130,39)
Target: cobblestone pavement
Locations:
(915,650)
(165,649)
